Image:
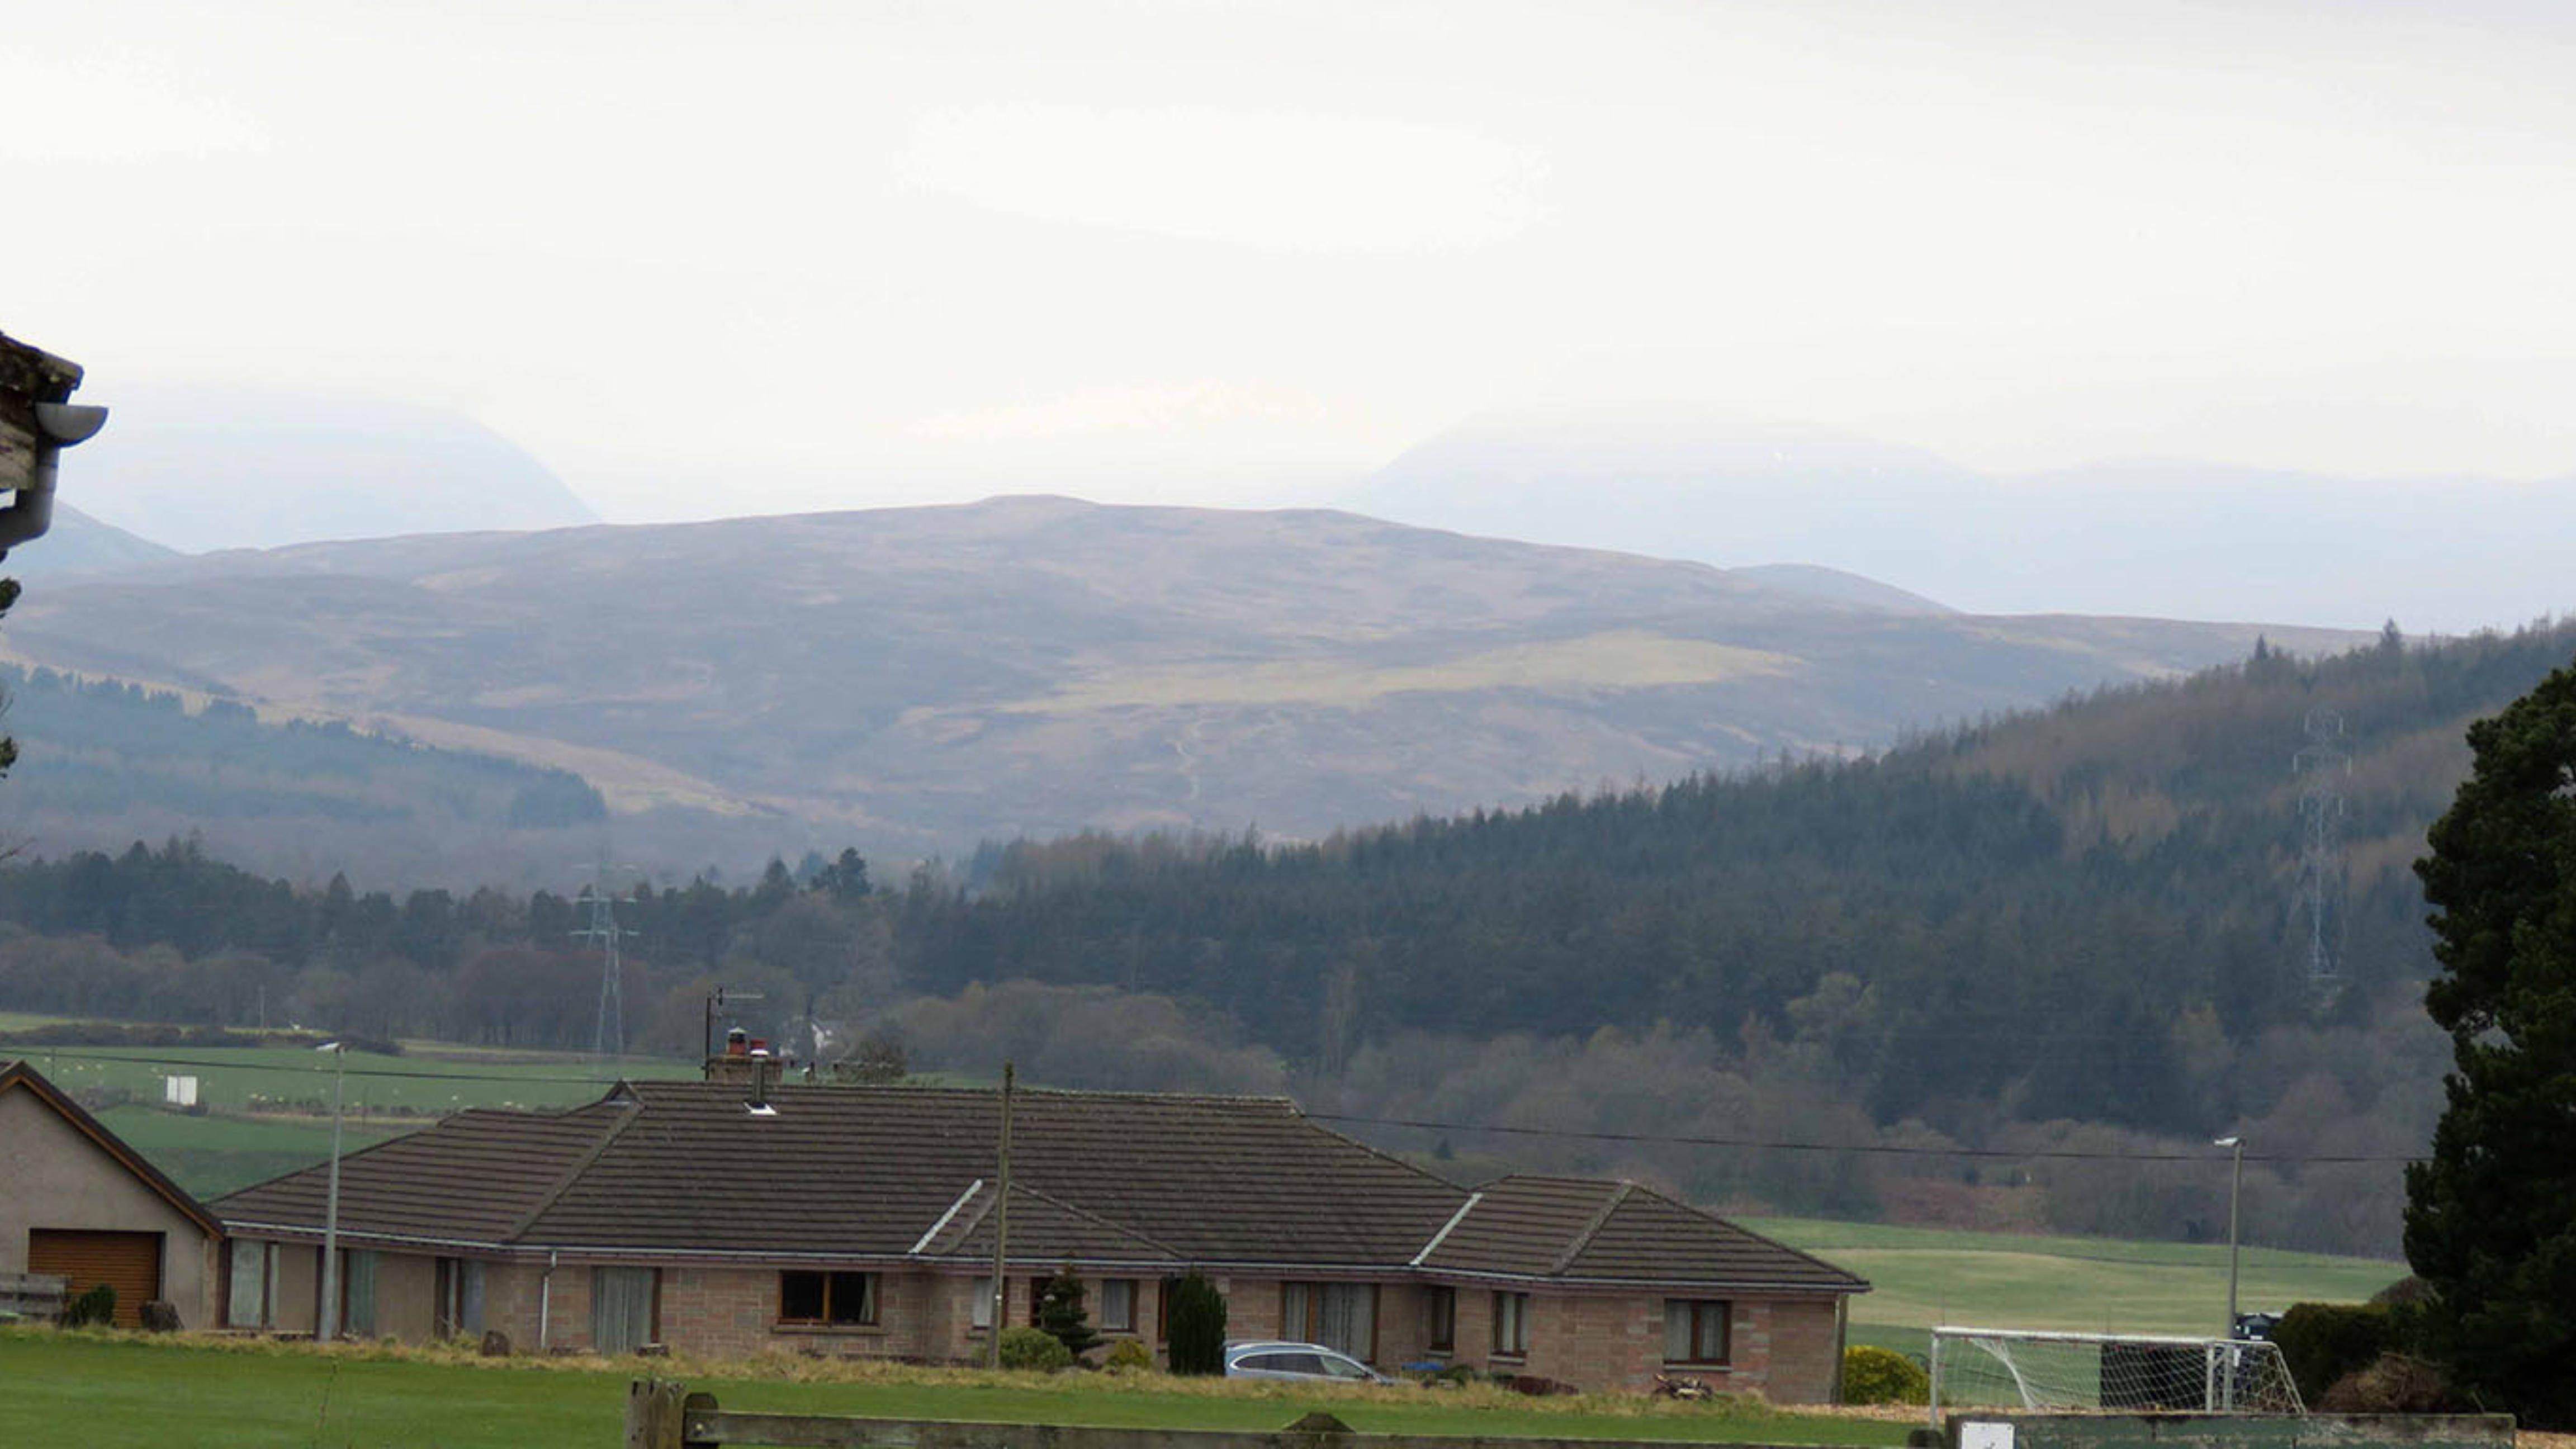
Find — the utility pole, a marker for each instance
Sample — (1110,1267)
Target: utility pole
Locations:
(330,1323)
(1001,1232)
(2235,1192)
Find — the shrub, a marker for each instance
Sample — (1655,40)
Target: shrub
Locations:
(1127,1356)
(1197,1329)
(1034,1348)
(94,1304)
(2323,1343)
(1874,1375)
(2394,1383)
(1061,1312)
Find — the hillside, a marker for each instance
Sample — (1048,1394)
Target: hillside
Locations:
(2163,536)
(2013,975)
(919,679)
(2078,927)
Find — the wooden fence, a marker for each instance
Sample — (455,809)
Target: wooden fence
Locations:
(33,1295)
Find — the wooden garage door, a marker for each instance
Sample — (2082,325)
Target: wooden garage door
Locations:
(131,1262)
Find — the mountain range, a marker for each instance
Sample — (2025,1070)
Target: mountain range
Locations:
(915,680)
(2162,537)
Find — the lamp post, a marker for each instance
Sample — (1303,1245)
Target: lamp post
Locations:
(329,1327)
(2235,1192)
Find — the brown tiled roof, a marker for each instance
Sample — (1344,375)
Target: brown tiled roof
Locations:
(1584,1230)
(472,1178)
(895,1172)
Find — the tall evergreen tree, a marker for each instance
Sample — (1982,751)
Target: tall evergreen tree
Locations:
(2491,1216)
(1062,1312)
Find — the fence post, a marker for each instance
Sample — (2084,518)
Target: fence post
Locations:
(652,1414)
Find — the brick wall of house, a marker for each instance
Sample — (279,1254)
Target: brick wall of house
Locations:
(1804,1347)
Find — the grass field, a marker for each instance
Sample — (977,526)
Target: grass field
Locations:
(1922,1277)
(299,1079)
(130,1391)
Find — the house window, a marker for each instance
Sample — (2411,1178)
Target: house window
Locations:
(250,1284)
(1511,1325)
(357,1293)
(459,1285)
(1695,1330)
(1440,1318)
(837,1299)
(1118,1305)
(980,1309)
(1336,1315)
(625,1308)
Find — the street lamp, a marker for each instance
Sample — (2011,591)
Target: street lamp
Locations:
(2235,1191)
(329,1327)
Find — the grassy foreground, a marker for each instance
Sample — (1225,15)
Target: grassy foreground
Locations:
(106,1391)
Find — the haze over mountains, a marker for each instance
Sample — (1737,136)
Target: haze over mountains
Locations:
(918,679)
(2165,538)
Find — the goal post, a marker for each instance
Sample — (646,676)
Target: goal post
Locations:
(2107,1372)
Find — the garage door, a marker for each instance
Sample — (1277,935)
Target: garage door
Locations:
(130,1262)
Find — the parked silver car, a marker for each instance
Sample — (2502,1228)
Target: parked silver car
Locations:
(1305,1362)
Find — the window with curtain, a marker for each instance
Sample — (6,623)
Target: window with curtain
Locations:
(1440,1318)
(1695,1330)
(460,1297)
(358,1293)
(1511,1324)
(250,1285)
(982,1310)
(621,1308)
(1336,1315)
(1118,1305)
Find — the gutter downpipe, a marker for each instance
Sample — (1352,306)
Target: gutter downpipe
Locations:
(546,1304)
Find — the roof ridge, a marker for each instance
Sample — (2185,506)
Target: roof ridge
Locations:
(631,1112)
(1583,1239)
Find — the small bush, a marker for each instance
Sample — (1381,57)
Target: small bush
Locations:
(1062,1312)
(2325,1343)
(1197,1327)
(95,1304)
(1874,1375)
(2395,1383)
(1034,1348)
(1127,1356)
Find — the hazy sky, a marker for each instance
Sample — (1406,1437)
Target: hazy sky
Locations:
(708,258)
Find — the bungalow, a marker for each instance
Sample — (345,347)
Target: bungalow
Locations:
(861,1220)
(77,1203)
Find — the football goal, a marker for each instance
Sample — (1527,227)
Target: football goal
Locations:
(2080,1372)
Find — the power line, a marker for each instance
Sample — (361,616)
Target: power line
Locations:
(1878,1149)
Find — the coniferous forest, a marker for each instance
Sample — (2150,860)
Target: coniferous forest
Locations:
(2016,973)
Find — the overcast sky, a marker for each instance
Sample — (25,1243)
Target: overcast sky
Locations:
(706,258)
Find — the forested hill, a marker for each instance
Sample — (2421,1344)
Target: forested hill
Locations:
(2090,914)
(2069,882)
(2014,974)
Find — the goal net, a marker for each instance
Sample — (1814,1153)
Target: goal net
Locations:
(2076,1372)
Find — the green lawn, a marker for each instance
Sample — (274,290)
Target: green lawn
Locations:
(1921,1277)
(110,1392)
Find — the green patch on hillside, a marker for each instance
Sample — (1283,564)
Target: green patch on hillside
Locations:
(130,1391)
(1924,1277)
(211,1155)
(298,1079)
